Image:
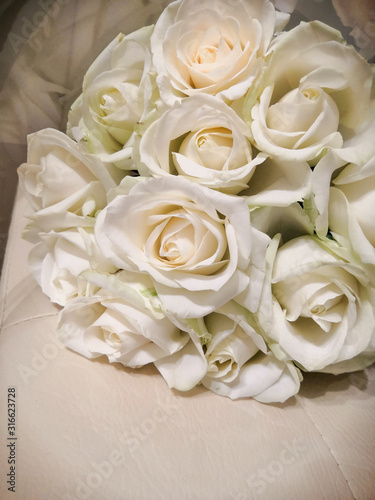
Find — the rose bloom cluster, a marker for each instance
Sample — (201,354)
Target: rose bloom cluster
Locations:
(211,208)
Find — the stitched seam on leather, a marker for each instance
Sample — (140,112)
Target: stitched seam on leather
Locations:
(25,320)
(327,445)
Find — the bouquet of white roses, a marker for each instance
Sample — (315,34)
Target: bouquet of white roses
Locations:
(210,209)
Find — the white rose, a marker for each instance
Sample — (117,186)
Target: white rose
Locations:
(315,94)
(215,48)
(238,363)
(229,357)
(194,242)
(121,326)
(63,187)
(203,140)
(117,93)
(59,258)
(317,308)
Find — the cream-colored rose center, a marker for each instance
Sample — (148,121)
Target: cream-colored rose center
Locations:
(311,94)
(212,49)
(318,298)
(111,101)
(188,240)
(302,117)
(318,309)
(207,55)
(208,147)
(321,307)
(177,242)
(221,365)
(227,357)
(214,138)
(112,339)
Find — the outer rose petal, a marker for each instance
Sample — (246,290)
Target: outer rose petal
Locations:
(265,378)
(184,369)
